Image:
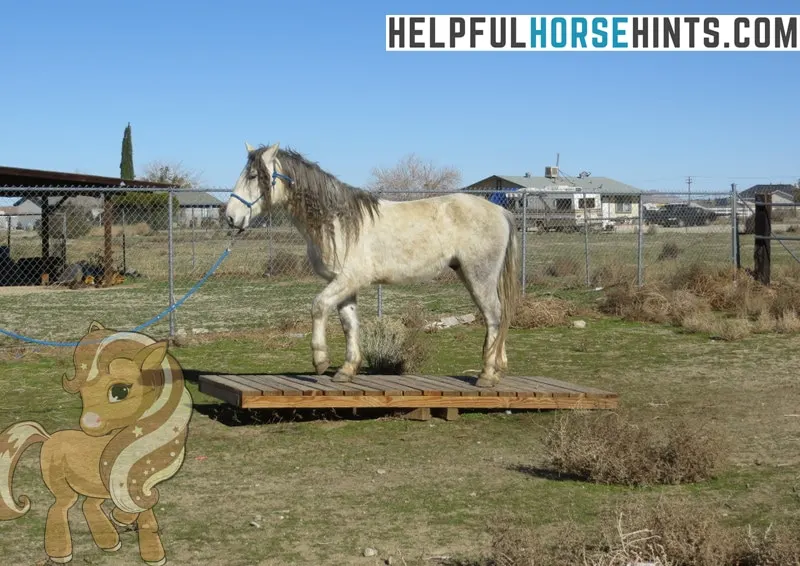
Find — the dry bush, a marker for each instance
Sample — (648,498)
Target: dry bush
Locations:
(414,316)
(287,263)
(613,276)
(733,329)
(670,250)
(533,312)
(608,448)
(640,304)
(676,531)
(564,267)
(389,346)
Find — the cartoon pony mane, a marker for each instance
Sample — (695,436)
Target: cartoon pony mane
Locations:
(151,449)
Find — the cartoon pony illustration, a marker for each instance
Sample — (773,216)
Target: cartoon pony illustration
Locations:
(132,436)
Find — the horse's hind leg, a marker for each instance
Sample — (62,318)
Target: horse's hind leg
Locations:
(123,520)
(333,295)
(349,318)
(150,547)
(103,532)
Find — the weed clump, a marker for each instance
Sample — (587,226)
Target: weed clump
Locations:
(610,449)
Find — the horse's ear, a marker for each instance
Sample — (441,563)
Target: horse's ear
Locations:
(95,326)
(150,357)
(249,147)
(271,152)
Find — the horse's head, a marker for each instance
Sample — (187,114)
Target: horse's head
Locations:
(258,187)
(133,388)
(118,375)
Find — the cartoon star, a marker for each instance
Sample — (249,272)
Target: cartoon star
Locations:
(137,431)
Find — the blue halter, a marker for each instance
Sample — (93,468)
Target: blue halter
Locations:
(275,177)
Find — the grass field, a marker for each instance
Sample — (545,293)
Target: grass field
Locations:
(322,487)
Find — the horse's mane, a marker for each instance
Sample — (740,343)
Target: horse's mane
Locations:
(316,196)
(151,449)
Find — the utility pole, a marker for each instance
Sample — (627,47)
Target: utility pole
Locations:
(689,183)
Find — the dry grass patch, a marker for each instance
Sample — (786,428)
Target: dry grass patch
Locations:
(287,263)
(670,250)
(534,312)
(673,532)
(564,267)
(608,448)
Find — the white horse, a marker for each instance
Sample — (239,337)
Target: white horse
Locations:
(355,239)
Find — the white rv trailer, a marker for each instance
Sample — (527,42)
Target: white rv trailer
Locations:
(561,209)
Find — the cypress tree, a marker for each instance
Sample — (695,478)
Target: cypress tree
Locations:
(126,164)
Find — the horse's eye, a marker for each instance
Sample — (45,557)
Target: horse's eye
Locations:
(118,392)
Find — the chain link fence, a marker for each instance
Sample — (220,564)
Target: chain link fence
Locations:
(122,256)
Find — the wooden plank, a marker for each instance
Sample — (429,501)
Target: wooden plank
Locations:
(407,386)
(415,401)
(531,385)
(220,391)
(564,384)
(387,385)
(448,386)
(289,387)
(429,387)
(247,381)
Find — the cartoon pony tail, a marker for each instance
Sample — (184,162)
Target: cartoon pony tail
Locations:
(13,442)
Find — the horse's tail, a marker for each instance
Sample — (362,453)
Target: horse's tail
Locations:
(508,285)
(13,442)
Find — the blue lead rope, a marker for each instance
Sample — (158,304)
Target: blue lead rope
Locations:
(142,326)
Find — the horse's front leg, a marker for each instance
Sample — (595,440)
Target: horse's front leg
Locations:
(349,318)
(103,532)
(335,293)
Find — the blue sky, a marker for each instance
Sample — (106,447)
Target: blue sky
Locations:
(196,80)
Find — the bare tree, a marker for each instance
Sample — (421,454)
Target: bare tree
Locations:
(172,173)
(414,175)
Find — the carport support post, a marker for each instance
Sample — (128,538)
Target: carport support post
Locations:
(45,227)
(763,230)
(640,247)
(170,258)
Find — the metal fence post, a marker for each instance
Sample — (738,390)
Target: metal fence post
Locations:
(170,258)
(586,240)
(734,230)
(269,243)
(640,247)
(124,246)
(524,241)
(194,256)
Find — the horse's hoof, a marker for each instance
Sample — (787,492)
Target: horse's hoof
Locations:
(61,559)
(115,548)
(486,382)
(156,562)
(342,377)
(322,367)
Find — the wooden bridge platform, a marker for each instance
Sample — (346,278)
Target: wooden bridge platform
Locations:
(424,392)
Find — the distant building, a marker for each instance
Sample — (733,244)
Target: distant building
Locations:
(619,201)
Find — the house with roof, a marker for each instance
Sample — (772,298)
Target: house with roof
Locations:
(8,217)
(619,201)
(781,193)
(197,206)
